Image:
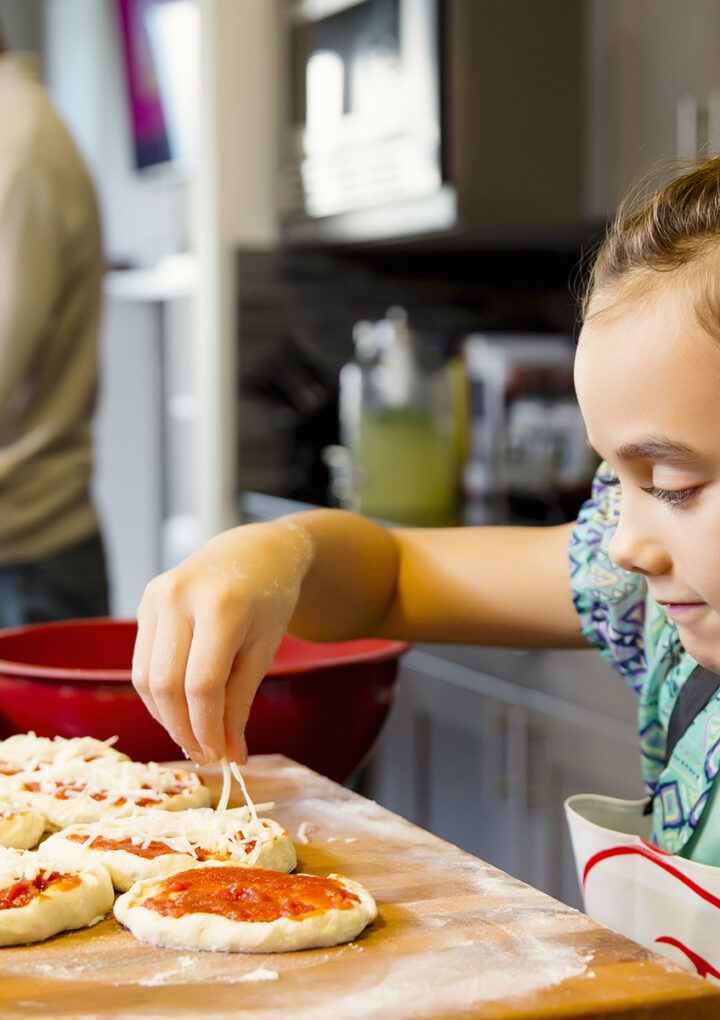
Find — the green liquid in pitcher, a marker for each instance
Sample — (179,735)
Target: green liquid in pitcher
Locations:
(405,467)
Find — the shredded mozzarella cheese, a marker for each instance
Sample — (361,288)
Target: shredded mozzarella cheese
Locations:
(238,775)
(187,832)
(16,865)
(230,769)
(104,780)
(227,783)
(32,752)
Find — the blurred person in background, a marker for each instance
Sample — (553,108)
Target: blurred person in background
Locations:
(52,564)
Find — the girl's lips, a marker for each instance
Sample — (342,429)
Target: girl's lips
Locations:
(680,610)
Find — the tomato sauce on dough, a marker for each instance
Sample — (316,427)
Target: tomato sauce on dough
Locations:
(66,791)
(155,848)
(242,894)
(20,893)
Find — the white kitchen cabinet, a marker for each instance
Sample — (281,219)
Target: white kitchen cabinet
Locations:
(486,761)
(653,90)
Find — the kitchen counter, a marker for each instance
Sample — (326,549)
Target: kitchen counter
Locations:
(454,938)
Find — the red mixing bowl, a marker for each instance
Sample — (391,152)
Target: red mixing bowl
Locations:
(321,704)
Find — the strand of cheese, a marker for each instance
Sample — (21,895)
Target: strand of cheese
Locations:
(248,800)
(227,783)
(230,769)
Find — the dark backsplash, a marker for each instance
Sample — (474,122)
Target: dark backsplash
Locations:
(296,314)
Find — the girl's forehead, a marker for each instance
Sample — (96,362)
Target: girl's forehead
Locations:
(653,329)
(637,295)
(688,293)
(649,368)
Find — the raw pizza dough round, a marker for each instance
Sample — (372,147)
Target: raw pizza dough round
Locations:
(26,752)
(157,842)
(21,826)
(51,900)
(69,794)
(305,912)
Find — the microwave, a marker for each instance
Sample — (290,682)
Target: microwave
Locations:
(403,118)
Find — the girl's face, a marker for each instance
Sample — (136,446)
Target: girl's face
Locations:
(648,383)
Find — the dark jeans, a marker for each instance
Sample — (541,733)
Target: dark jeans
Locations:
(72,584)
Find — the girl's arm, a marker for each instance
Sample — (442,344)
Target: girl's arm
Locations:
(209,629)
(485,586)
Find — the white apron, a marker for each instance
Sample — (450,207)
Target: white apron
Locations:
(664,902)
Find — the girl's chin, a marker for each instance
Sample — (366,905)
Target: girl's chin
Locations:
(706,653)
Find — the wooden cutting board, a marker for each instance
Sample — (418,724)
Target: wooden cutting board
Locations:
(455,938)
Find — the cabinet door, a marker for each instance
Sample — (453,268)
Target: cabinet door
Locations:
(513,74)
(443,763)
(654,69)
(470,757)
(581,760)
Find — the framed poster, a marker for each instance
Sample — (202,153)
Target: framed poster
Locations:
(150,138)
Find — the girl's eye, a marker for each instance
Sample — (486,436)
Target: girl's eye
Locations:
(676,497)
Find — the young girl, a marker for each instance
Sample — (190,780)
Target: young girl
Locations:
(637,575)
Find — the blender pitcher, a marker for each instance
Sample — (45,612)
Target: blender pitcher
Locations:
(399,427)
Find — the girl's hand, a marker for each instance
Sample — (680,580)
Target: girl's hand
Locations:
(208,630)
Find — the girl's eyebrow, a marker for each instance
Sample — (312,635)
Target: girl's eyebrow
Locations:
(670,451)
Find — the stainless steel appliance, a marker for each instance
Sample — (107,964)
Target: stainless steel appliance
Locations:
(411,117)
(528,451)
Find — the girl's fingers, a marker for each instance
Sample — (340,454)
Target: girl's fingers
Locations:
(247,672)
(207,676)
(142,655)
(168,662)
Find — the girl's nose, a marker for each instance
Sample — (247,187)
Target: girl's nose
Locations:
(632,547)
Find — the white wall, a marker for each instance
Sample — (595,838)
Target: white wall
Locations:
(234,205)
(240,98)
(144,215)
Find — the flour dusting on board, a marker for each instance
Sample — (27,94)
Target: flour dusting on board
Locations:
(186,963)
(179,968)
(148,972)
(261,974)
(408,989)
(407,992)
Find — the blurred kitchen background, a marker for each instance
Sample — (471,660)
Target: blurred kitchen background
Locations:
(344,239)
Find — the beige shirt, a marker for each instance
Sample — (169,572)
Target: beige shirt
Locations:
(51,269)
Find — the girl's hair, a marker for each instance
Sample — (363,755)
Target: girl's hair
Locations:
(678,226)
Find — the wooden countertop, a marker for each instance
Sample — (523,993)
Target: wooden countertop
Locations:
(455,938)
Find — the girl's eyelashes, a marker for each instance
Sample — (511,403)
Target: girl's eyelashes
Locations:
(676,497)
